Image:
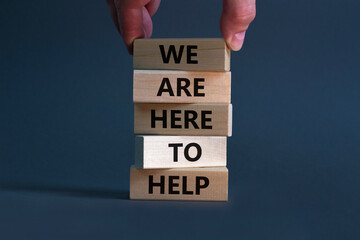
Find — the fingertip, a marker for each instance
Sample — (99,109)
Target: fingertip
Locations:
(130,42)
(236,41)
(147,23)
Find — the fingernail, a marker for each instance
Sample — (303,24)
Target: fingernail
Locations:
(237,41)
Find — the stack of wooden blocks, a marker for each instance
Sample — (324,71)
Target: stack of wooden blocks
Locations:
(182,91)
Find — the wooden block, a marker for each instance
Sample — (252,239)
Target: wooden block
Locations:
(183,119)
(182,54)
(179,151)
(197,184)
(156,86)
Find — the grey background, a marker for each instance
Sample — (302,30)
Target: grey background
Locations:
(66,124)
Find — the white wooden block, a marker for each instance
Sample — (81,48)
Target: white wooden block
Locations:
(179,151)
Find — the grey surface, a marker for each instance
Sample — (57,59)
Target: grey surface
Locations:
(66,124)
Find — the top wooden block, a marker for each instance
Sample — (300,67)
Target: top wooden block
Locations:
(201,54)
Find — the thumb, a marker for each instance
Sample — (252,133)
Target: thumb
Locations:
(235,20)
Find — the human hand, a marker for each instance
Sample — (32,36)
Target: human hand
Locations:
(132,18)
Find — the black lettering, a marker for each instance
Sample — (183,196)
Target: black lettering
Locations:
(172,185)
(172,50)
(174,118)
(183,87)
(154,118)
(191,54)
(175,146)
(197,87)
(204,119)
(184,187)
(168,88)
(192,119)
(161,184)
(199,186)
(198,155)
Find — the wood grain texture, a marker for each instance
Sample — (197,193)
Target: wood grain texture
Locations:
(212,54)
(196,184)
(174,152)
(156,86)
(208,119)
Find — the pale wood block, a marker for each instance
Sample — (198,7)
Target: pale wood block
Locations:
(183,119)
(179,151)
(197,184)
(156,86)
(182,54)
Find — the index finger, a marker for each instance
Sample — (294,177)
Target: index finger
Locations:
(134,20)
